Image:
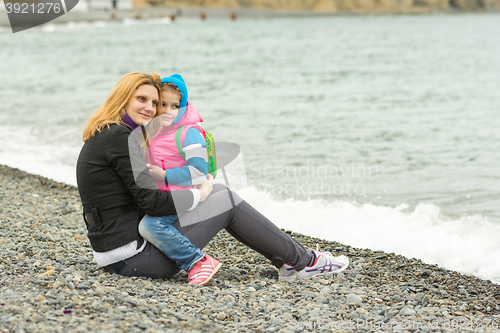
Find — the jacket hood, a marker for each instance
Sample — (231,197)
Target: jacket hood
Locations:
(179,83)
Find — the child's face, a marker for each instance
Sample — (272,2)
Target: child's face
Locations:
(171,102)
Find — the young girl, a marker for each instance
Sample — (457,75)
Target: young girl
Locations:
(173,172)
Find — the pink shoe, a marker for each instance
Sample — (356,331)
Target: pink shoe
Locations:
(203,270)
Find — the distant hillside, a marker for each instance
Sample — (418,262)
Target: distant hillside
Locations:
(336,6)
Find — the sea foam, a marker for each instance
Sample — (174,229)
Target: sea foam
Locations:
(467,244)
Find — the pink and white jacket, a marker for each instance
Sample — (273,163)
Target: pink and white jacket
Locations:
(181,174)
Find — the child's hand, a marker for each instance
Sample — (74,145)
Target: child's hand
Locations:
(206,188)
(157,172)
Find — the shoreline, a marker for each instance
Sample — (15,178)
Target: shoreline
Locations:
(117,15)
(50,282)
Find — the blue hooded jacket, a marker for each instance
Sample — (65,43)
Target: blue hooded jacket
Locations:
(179,82)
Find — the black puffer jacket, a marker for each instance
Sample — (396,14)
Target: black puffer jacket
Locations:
(112,201)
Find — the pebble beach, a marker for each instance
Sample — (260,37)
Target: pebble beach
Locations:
(49,282)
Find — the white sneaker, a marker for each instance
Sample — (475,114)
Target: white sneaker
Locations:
(286,272)
(325,263)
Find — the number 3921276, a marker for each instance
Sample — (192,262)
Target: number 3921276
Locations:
(33,8)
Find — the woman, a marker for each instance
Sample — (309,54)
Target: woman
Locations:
(111,166)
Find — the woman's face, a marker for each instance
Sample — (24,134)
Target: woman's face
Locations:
(170,103)
(142,106)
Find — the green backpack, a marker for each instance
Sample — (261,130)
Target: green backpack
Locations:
(210,142)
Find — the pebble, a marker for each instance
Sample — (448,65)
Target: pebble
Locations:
(353,298)
(221,316)
(407,312)
(49,281)
(326,291)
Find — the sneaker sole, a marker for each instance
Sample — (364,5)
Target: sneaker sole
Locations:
(216,269)
(287,278)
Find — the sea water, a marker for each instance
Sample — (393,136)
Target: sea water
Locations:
(378,132)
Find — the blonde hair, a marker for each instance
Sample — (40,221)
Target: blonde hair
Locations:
(114,107)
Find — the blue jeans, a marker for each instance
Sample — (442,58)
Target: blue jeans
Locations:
(160,232)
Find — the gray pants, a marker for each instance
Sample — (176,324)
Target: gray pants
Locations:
(222,209)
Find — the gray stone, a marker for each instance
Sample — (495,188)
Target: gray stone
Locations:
(353,298)
(321,299)
(406,311)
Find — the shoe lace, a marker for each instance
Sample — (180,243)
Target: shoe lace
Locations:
(325,253)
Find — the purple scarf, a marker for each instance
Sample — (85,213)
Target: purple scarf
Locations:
(128,121)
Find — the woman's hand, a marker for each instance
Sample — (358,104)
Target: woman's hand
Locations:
(158,173)
(206,188)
